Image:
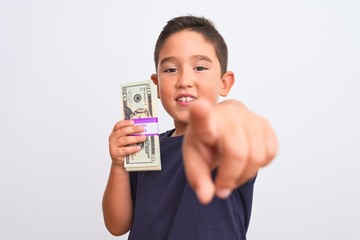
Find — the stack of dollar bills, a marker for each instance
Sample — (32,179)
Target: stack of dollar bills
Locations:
(139,104)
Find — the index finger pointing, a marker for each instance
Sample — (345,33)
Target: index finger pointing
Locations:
(198,173)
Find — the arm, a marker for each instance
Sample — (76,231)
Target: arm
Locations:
(117,203)
(229,137)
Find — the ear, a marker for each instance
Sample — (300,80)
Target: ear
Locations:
(155,80)
(227,81)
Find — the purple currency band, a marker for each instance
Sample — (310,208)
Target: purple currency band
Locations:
(151,126)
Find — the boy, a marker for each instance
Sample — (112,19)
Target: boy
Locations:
(209,160)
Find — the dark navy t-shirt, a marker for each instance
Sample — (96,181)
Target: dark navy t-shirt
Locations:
(166,208)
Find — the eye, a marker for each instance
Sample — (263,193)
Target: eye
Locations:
(201,68)
(170,70)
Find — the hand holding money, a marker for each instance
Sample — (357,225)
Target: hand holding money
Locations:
(139,105)
(123,141)
(230,138)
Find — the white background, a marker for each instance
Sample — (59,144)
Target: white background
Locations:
(61,63)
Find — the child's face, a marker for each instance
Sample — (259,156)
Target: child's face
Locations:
(188,69)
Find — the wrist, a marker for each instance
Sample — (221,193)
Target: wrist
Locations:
(118,166)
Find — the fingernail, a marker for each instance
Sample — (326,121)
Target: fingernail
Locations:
(223,193)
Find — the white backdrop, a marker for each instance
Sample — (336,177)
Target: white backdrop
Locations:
(61,64)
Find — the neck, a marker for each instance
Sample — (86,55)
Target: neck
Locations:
(179,129)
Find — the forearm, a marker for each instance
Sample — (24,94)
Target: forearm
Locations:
(117,202)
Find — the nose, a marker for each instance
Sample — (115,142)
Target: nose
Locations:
(185,79)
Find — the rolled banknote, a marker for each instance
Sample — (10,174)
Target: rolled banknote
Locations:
(139,104)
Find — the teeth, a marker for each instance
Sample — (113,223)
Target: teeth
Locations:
(186,99)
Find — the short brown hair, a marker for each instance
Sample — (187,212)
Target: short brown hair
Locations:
(200,25)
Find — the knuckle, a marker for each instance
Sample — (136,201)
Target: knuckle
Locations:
(126,141)
(240,154)
(137,129)
(226,181)
(271,154)
(274,148)
(134,148)
(118,125)
(140,138)
(111,137)
(121,153)
(258,157)
(268,159)
(123,141)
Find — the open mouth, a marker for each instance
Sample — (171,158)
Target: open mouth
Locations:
(185,99)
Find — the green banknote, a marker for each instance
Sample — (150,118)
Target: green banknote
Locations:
(139,103)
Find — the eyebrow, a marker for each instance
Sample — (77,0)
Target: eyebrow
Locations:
(195,57)
(202,57)
(167,59)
